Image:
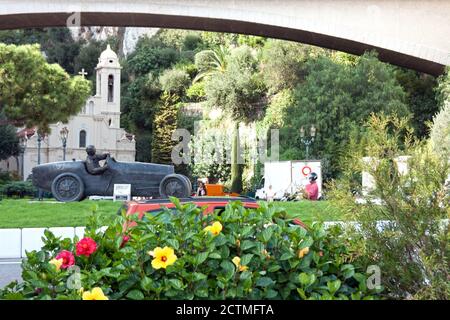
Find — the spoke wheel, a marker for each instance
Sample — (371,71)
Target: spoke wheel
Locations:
(68,187)
(175,185)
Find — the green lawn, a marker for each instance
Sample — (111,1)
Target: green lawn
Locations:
(32,214)
(309,211)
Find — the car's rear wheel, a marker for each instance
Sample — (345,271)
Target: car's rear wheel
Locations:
(188,181)
(68,187)
(175,185)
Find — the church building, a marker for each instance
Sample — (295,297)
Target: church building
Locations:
(98,124)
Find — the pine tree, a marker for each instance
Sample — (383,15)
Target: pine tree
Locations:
(164,125)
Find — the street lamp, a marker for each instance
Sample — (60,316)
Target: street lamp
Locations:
(22,147)
(63,134)
(40,137)
(307,140)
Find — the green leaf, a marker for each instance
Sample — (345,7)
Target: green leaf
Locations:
(220,239)
(308,242)
(301,293)
(215,255)
(307,279)
(271,294)
(200,258)
(245,260)
(202,293)
(266,234)
(247,244)
(197,276)
(135,295)
(246,231)
(173,243)
(146,283)
(274,268)
(303,278)
(348,271)
(176,202)
(229,269)
(245,275)
(287,255)
(176,284)
(334,286)
(264,282)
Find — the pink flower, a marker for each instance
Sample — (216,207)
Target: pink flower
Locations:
(67,257)
(86,247)
(125,239)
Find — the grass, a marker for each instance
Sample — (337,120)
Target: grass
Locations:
(23,213)
(309,211)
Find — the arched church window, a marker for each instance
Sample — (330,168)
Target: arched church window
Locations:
(91,107)
(110,88)
(83,139)
(99,84)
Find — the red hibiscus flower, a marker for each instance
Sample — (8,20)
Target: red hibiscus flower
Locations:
(86,247)
(67,257)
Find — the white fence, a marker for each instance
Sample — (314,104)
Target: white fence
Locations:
(14,242)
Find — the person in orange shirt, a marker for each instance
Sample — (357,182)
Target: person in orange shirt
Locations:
(312,189)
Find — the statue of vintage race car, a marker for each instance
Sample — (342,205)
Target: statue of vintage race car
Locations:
(71,181)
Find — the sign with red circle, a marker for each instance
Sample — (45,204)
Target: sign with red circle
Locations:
(306,170)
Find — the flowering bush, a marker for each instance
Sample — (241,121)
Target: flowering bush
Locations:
(182,254)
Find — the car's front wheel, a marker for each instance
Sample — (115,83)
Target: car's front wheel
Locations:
(68,187)
(175,185)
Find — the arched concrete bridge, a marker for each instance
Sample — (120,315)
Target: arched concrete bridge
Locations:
(409,33)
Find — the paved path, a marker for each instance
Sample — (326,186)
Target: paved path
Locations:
(10,270)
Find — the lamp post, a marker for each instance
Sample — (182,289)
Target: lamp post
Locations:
(63,134)
(39,140)
(307,140)
(23,146)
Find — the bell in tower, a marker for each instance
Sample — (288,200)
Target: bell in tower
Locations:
(110,88)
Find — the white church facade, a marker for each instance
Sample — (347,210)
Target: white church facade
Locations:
(98,124)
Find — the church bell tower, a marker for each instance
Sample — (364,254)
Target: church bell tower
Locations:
(108,86)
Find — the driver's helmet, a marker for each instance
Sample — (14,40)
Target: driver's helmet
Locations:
(90,150)
(312,176)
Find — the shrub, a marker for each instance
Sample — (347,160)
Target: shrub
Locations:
(196,92)
(440,132)
(238,254)
(174,81)
(18,189)
(5,177)
(412,247)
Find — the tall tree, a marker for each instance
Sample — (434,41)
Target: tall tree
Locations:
(420,97)
(211,62)
(164,125)
(9,142)
(238,91)
(335,98)
(35,93)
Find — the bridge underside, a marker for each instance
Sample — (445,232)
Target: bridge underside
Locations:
(35,20)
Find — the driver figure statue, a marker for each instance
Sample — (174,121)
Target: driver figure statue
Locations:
(93,161)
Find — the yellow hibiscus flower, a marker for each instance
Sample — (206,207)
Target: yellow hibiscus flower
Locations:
(57,263)
(303,252)
(237,263)
(215,228)
(94,294)
(163,257)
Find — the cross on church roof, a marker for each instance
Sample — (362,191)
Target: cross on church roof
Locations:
(82,73)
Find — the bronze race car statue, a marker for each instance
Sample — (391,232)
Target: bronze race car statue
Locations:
(75,180)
